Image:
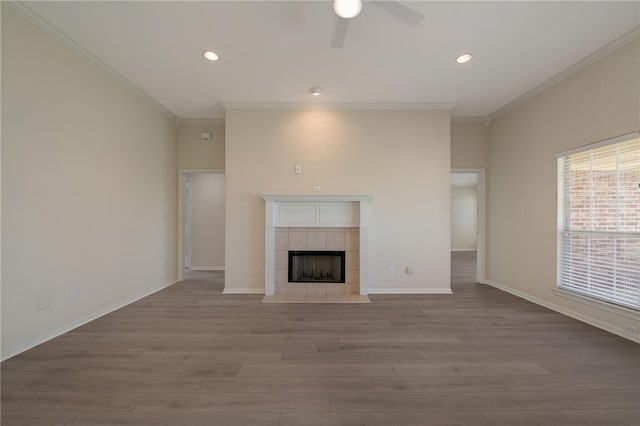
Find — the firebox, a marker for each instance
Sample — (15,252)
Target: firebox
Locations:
(316,266)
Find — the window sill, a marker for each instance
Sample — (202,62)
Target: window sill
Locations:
(609,307)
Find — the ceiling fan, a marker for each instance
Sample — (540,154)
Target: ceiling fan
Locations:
(347,9)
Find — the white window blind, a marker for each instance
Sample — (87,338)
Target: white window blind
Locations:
(599,221)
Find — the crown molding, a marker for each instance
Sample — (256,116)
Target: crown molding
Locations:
(199,122)
(573,69)
(32,16)
(469,119)
(339,106)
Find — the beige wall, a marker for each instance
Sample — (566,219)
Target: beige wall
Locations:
(464,217)
(88,189)
(401,157)
(469,146)
(597,103)
(194,153)
(207,221)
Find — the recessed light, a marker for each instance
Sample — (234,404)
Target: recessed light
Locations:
(316,91)
(463,59)
(210,55)
(347,8)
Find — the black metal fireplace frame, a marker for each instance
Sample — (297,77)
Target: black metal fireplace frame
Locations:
(341,254)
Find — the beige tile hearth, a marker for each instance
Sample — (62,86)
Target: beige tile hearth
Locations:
(314,293)
(345,298)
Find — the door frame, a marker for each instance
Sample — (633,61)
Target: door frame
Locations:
(182,175)
(186,220)
(481,243)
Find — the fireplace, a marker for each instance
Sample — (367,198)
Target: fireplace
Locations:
(316,222)
(316,266)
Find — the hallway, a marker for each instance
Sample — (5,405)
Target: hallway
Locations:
(463,267)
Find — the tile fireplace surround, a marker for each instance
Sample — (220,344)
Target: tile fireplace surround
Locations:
(316,222)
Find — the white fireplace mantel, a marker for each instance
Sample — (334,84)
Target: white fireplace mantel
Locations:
(315,210)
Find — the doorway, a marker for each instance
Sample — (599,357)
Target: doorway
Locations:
(187,222)
(467,226)
(201,224)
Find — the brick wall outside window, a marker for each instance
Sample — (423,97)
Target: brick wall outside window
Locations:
(600,235)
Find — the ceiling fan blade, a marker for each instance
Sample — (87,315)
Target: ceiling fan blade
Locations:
(339,33)
(404,13)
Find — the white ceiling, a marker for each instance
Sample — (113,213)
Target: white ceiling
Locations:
(274,52)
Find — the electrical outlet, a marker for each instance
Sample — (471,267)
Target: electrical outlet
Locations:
(392,270)
(254,269)
(73,293)
(316,188)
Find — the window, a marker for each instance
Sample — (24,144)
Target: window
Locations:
(599,221)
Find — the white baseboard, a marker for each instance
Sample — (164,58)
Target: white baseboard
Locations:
(243,290)
(75,324)
(206,268)
(568,312)
(410,290)
(465,249)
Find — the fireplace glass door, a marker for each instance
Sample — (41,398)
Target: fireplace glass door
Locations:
(316,266)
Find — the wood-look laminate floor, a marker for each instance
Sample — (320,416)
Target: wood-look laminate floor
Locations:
(190,356)
(463,266)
